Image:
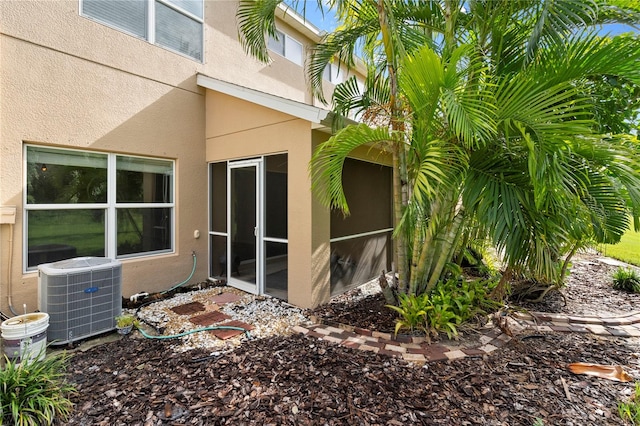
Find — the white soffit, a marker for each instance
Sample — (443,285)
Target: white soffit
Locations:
(287,106)
(299,23)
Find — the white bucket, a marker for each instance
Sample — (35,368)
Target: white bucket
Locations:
(25,336)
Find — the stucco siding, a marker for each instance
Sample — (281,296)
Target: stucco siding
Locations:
(250,130)
(92,99)
(71,82)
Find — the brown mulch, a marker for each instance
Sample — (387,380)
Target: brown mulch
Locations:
(369,313)
(298,380)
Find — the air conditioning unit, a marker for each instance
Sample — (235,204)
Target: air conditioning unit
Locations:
(82,297)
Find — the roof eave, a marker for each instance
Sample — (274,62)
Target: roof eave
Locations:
(297,109)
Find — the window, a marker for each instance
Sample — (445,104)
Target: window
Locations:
(173,24)
(80,203)
(286,46)
(333,74)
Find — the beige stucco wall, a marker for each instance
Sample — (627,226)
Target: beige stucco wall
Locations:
(238,129)
(68,81)
(281,77)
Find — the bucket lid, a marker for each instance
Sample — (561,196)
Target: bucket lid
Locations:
(25,320)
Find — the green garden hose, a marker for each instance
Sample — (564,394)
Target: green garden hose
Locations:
(195,261)
(197,330)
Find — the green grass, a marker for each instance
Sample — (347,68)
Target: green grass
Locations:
(630,410)
(627,250)
(82,229)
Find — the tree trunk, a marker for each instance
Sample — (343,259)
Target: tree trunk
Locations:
(399,157)
(422,246)
(450,239)
(500,292)
(565,265)
(426,249)
(399,240)
(388,291)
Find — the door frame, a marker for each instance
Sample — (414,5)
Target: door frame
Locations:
(258,287)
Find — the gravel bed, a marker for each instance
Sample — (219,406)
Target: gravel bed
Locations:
(269,317)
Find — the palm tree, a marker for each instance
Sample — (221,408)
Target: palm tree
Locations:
(484,113)
(385,30)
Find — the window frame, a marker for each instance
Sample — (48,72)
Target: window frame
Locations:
(150,18)
(333,74)
(287,39)
(110,207)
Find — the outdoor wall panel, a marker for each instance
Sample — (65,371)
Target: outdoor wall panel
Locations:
(357,258)
(367,187)
(356,261)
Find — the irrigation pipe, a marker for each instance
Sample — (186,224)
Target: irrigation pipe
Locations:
(193,253)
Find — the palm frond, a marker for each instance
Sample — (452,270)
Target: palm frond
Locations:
(347,98)
(587,55)
(467,102)
(557,18)
(256,20)
(548,114)
(620,166)
(337,46)
(495,191)
(421,81)
(328,159)
(619,12)
(439,169)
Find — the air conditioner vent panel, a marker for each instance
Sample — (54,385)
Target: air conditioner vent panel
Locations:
(82,297)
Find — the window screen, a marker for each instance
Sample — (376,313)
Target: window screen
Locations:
(192,6)
(175,24)
(70,202)
(178,32)
(127,15)
(277,44)
(293,50)
(286,46)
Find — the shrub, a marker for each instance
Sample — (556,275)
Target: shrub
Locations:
(443,315)
(470,298)
(412,310)
(450,304)
(627,280)
(34,392)
(631,410)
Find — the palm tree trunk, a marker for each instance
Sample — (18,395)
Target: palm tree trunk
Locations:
(399,248)
(500,291)
(422,256)
(450,238)
(463,247)
(567,260)
(399,156)
(427,249)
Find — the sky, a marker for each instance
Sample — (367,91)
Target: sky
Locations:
(328,21)
(313,15)
(615,29)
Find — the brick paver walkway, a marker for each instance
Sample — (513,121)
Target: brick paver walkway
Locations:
(418,350)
